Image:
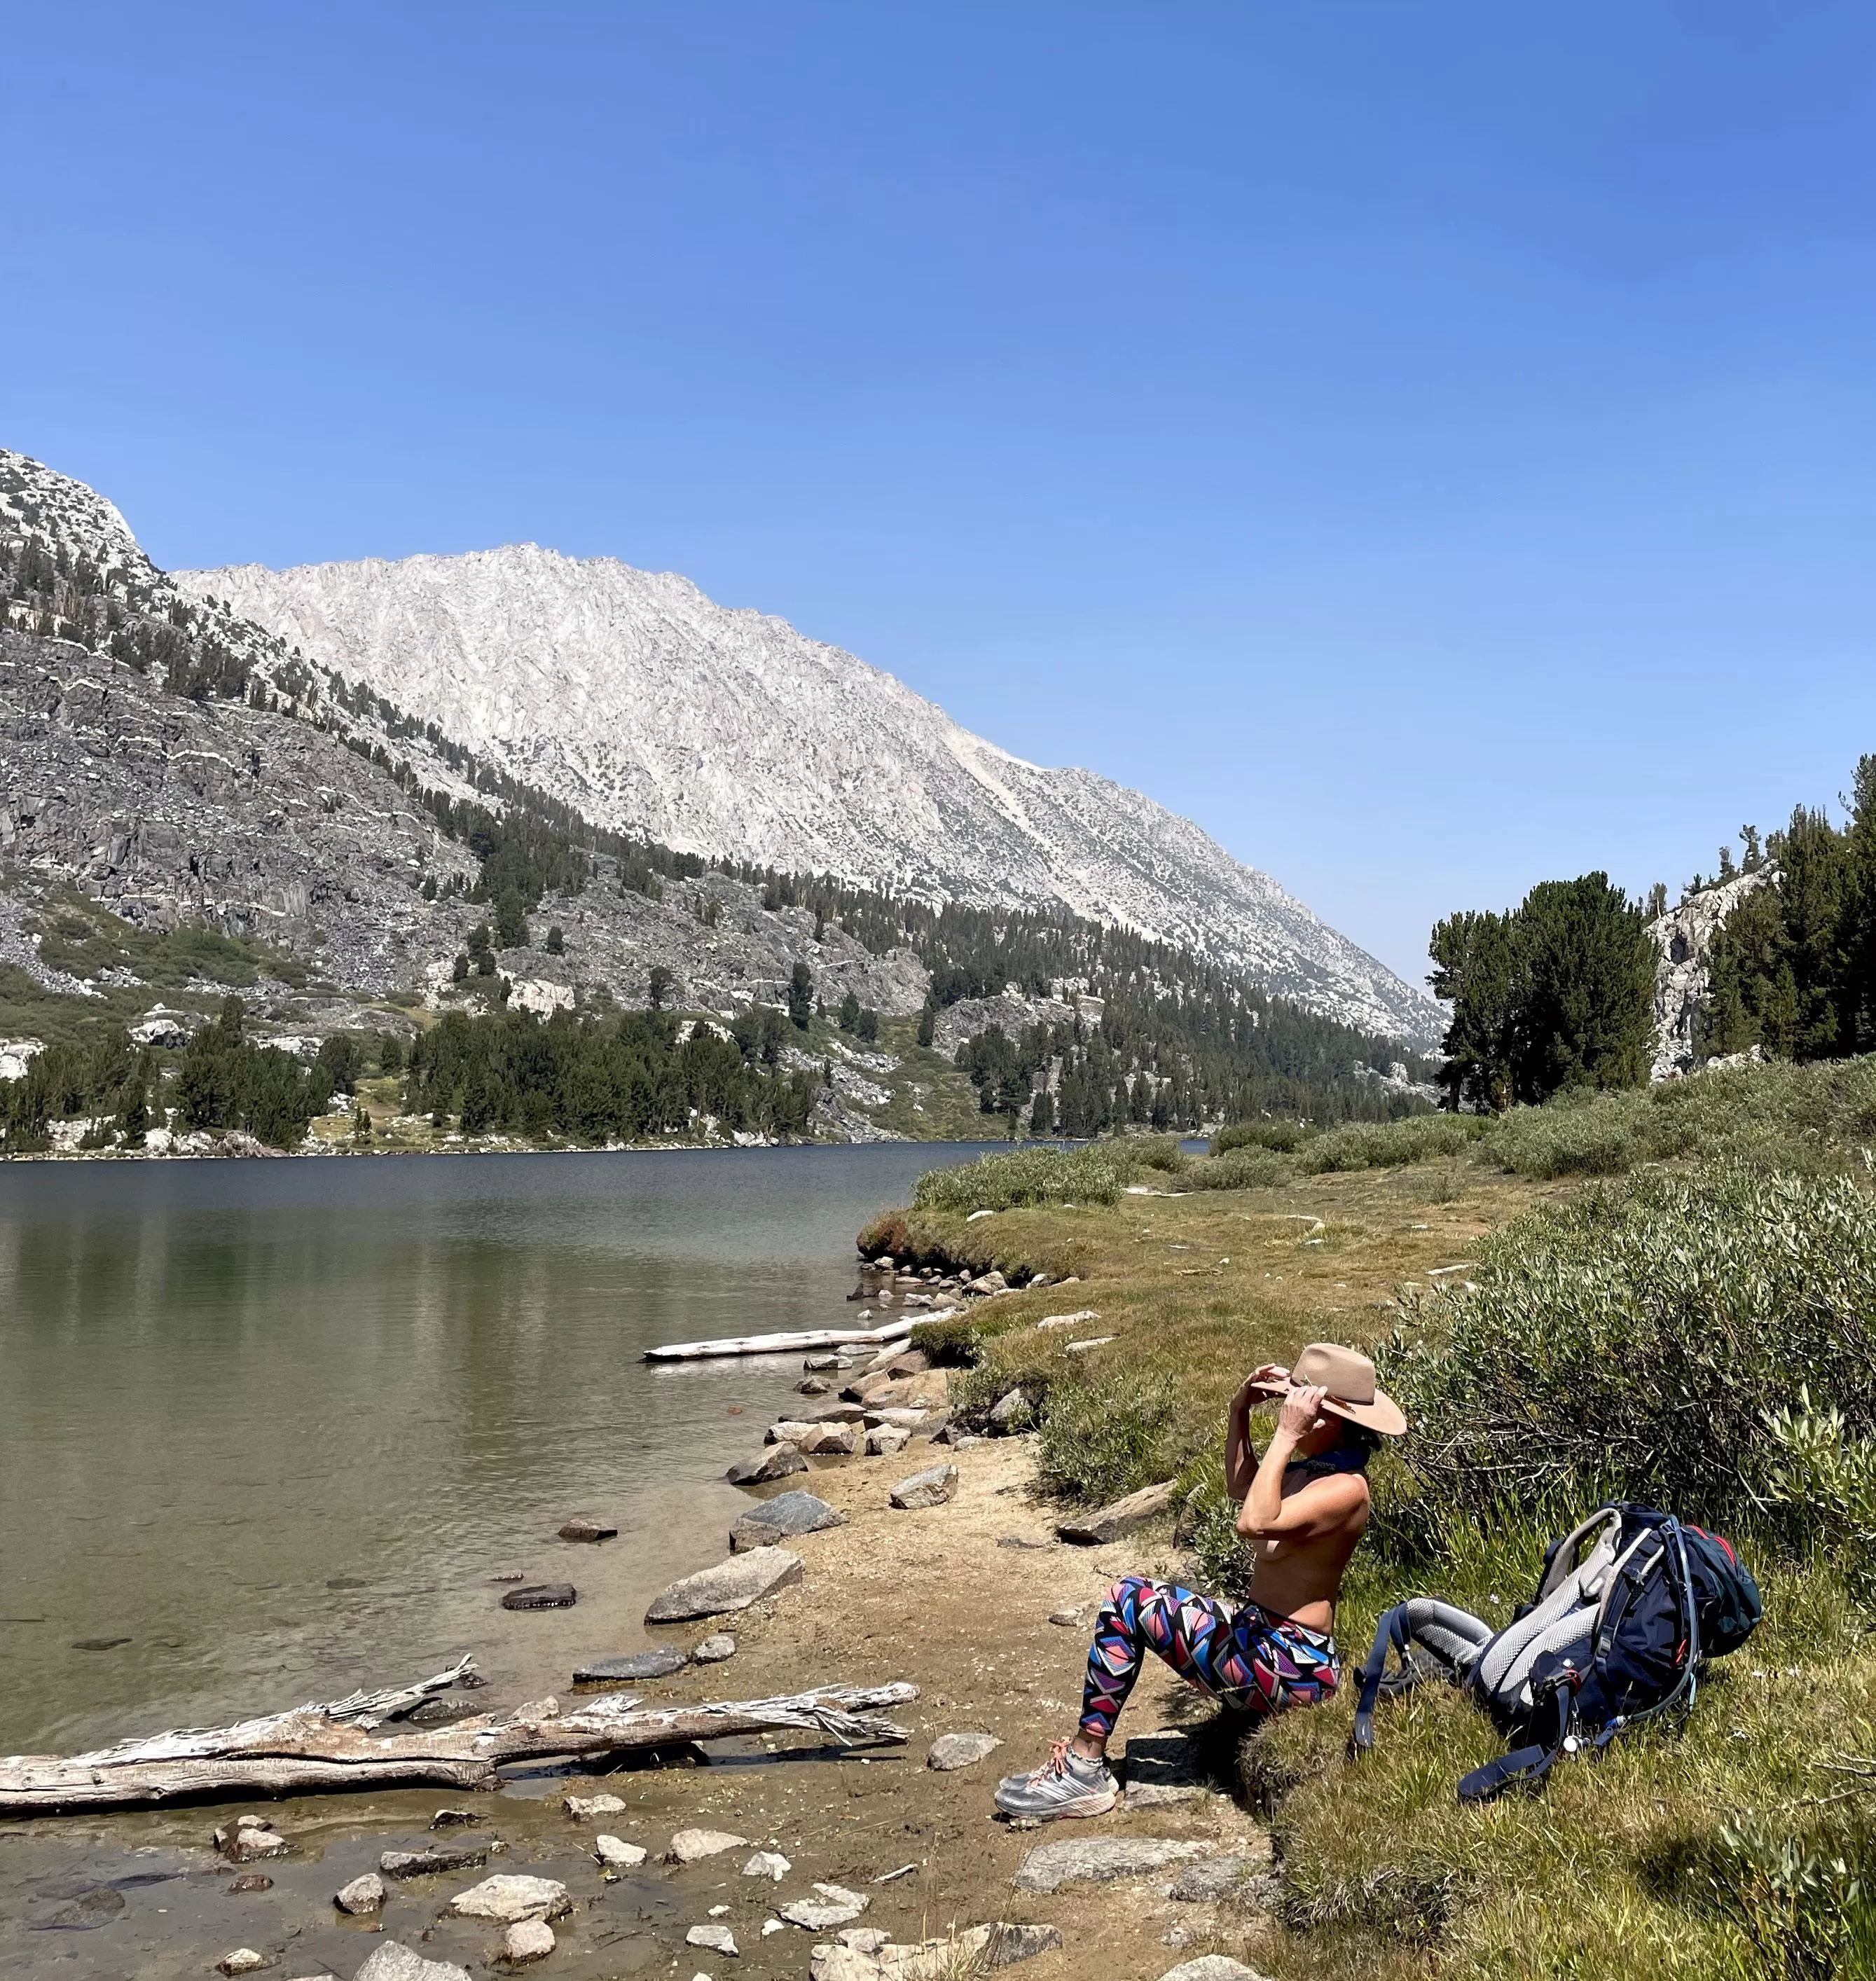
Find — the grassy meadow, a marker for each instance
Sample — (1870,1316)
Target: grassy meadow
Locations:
(1669,1296)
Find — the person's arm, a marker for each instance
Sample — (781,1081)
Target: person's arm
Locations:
(1240,1460)
(1321,1506)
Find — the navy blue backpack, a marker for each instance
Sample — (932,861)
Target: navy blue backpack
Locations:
(1629,1606)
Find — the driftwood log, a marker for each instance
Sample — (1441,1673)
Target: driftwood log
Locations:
(780,1344)
(316,1748)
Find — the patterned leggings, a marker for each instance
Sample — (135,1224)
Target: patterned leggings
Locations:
(1251,1660)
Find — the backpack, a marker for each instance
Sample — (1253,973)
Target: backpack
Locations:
(1628,1606)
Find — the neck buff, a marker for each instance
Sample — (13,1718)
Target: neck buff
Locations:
(1325,1464)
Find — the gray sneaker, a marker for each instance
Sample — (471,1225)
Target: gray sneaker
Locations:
(1066,1784)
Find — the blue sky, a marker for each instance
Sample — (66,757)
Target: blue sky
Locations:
(1432,446)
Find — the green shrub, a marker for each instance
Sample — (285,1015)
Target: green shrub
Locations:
(1597,1139)
(1101,1440)
(1239,1169)
(1286,1137)
(1096,1174)
(1376,1145)
(1635,1345)
(1162,1152)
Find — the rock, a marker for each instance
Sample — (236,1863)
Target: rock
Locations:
(788,1430)
(1097,1860)
(439,1712)
(718,1939)
(1067,1618)
(250,1881)
(590,1809)
(868,1955)
(583,1527)
(864,1939)
(1024,1541)
(365,1894)
(423,1863)
(511,1896)
(839,1411)
(931,1487)
(960,1750)
(776,1464)
(895,1418)
(782,1518)
(1005,1945)
(1111,1522)
(829,1441)
(243,1960)
(1212,1967)
(812,1386)
(885,1442)
(731,1586)
(1162,1770)
(832,1906)
(690,1845)
(455,1819)
(1215,1879)
(526,1940)
(713,1649)
(391,1961)
(818,1364)
(992,1282)
(1010,1412)
(767,1864)
(250,1839)
(616,1854)
(634,1665)
(542,1596)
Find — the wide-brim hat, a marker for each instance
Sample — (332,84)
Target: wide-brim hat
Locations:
(1348,1376)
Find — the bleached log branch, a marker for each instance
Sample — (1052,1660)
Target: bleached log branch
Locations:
(780,1344)
(320,1747)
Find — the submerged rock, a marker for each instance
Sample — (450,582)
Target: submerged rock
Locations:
(731,1586)
(713,1649)
(634,1665)
(542,1596)
(586,1527)
(437,1857)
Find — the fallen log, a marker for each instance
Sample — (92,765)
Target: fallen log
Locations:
(320,1747)
(785,1344)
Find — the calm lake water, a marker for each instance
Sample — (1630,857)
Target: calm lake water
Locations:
(279,1424)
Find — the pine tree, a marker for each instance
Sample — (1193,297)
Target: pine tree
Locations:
(801,996)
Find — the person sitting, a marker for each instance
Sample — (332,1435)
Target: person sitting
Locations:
(1304,1505)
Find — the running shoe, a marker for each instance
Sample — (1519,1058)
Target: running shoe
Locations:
(1066,1784)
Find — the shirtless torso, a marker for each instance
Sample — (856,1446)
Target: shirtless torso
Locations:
(1306,1526)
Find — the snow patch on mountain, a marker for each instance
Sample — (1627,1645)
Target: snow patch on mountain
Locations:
(652,709)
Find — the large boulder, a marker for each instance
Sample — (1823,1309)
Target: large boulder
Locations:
(731,1586)
(1121,1517)
(1098,1860)
(777,1463)
(782,1519)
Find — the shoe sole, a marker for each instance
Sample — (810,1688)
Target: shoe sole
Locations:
(1060,1814)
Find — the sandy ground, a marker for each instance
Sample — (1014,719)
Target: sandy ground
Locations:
(929,1596)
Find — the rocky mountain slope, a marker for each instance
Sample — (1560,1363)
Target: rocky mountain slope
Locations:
(635,699)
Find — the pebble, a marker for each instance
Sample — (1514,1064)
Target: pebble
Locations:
(616,1853)
(511,1896)
(687,1845)
(526,1940)
(542,1596)
(932,1487)
(960,1750)
(767,1864)
(365,1894)
(713,1649)
(251,1881)
(718,1939)
(590,1809)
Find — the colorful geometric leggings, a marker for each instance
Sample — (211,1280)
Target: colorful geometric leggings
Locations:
(1253,1662)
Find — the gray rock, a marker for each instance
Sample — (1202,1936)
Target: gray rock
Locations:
(688,1845)
(834,1440)
(838,1411)
(249,1839)
(584,1527)
(782,1519)
(365,1894)
(817,1364)
(616,1854)
(1097,1860)
(1212,1967)
(1032,1541)
(769,1864)
(1162,1770)
(812,1386)
(788,1431)
(731,1586)
(634,1665)
(391,1961)
(1008,1944)
(1067,1618)
(590,1809)
(777,1463)
(713,1649)
(931,1487)
(960,1750)
(1217,1878)
(831,1906)
(439,1712)
(511,1896)
(455,1819)
(885,1442)
(525,1940)
(1010,1411)
(1111,1522)
(718,1939)
(437,1857)
(243,1960)
(542,1596)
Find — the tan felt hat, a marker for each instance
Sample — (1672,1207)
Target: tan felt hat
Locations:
(1348,1376)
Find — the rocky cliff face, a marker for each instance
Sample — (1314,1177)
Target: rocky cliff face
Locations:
(1684,936)
(635,699)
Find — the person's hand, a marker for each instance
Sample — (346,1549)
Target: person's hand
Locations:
(1302,1410)
(1251,1390)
